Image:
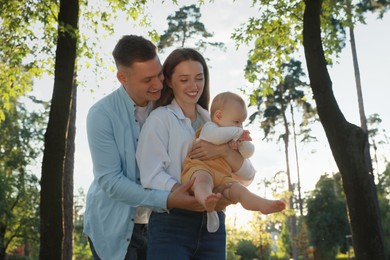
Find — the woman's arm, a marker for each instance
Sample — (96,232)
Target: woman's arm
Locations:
(204,150)
(242,168)
(152,155)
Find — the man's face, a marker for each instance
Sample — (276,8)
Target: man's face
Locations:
(142,80)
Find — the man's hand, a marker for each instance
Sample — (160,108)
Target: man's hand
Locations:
(181,198)
(223,202)
(203,150)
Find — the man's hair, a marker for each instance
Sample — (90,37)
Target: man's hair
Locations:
(223,99)
(133,48)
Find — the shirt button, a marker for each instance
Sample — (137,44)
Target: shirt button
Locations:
(128,239)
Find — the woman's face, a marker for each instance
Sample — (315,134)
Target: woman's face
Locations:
(187,82)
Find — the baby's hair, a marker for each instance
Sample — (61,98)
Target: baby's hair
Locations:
(223,99)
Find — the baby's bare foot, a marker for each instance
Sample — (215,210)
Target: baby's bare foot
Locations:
(273,206)
(211,201)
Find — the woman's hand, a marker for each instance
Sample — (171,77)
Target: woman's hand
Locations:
(203,150)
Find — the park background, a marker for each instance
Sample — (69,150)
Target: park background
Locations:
(227,73)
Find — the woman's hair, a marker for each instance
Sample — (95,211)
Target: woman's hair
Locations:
(223,99)
(176,57)
(133,48)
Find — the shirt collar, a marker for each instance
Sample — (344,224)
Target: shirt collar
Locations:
(176,110)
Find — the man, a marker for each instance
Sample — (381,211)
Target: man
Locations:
(118,207)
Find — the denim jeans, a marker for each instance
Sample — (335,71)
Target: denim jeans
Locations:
(137,247)
(183,235)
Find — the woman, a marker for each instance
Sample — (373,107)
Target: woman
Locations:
(165,140)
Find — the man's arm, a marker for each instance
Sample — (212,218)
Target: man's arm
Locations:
(107,165)
(180,197)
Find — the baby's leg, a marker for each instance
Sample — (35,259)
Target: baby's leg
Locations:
(203,190)
(251,201)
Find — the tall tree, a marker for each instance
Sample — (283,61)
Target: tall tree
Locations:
(277,35)
(378,138)
(347,143)
(327,217)
(30,31)
(384,205)
(289,94)
(184,26)
(51,206)
(67,243)
(21,144)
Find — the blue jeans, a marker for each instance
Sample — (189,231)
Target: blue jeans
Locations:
(137,247)
(183,235)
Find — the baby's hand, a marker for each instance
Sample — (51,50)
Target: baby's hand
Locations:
(245,136)
(234,144)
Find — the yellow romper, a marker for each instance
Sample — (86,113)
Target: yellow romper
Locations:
(219,169)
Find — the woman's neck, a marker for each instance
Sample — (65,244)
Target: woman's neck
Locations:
(189,110)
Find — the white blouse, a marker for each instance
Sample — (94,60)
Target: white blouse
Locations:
(164,141)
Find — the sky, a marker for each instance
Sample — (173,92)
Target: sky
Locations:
(227,74)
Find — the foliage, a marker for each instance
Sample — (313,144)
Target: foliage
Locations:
(183,26)
(246,249)
(26,42)
(21,140)
(285,241)
(81,248)
(302,239)
(327,217)
(378,138)
(383,188)
(276,34)
(98,20)
(273,106)
(257,238)
(81,245)
(273,109)
(379,6)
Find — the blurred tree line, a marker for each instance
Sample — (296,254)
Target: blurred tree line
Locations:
(31,214)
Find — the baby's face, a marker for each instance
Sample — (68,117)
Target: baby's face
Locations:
(232,115)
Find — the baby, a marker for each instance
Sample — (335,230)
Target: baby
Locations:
(228,112)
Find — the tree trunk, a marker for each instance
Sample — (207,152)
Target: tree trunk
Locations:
(363,121)
(68,181)
(51,204)
(347,142)
(300,203)
(292,221)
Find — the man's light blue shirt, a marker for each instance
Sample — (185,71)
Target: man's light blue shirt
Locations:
(115,192)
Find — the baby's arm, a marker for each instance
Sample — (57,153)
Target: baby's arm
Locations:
(220,135)
(246,149)
(243,145)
